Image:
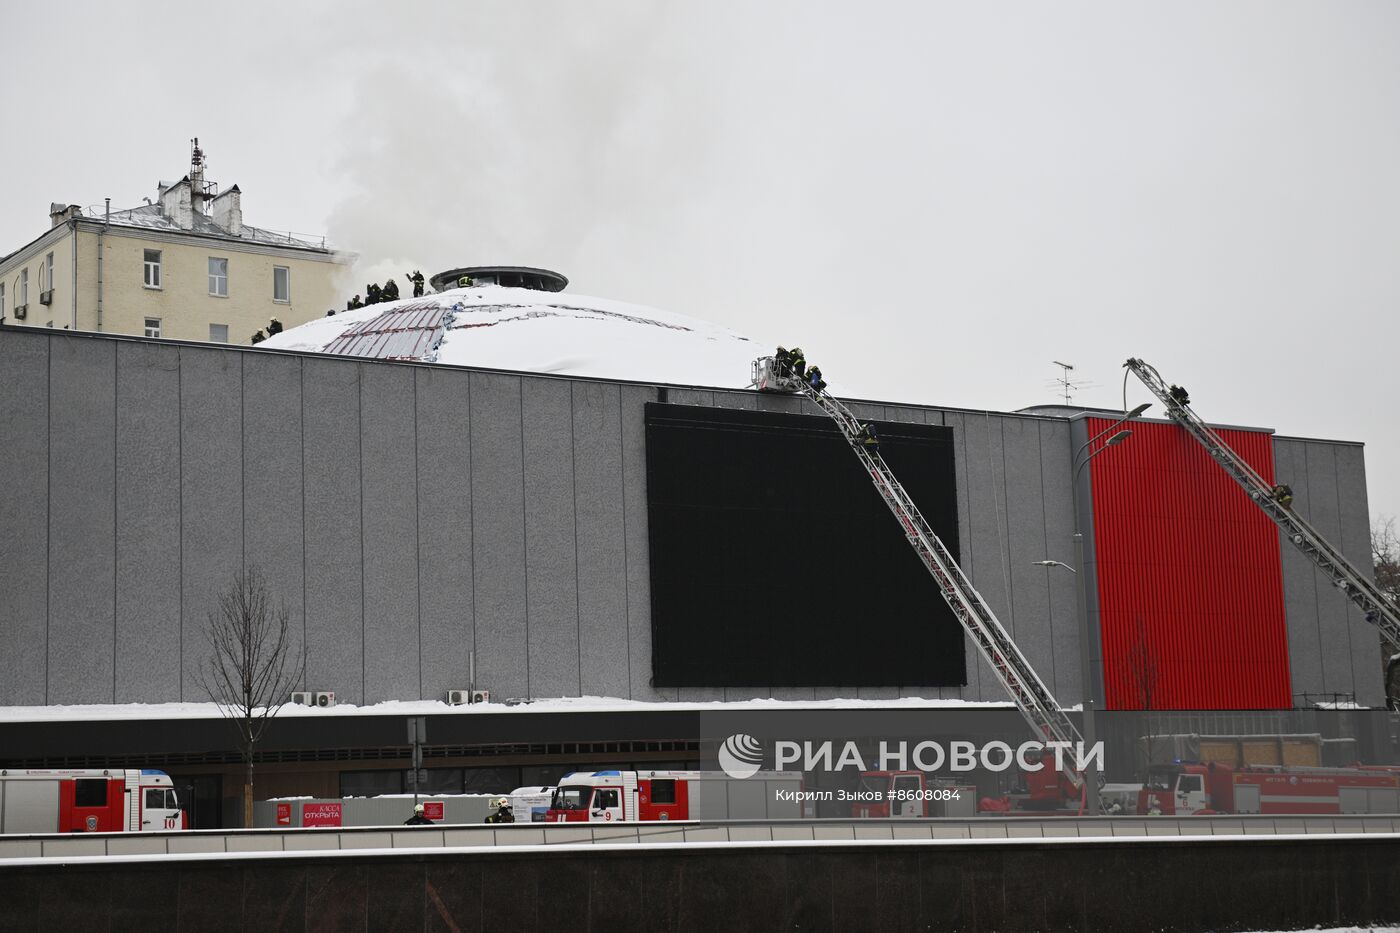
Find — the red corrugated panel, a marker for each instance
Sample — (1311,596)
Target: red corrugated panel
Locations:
(1189,577)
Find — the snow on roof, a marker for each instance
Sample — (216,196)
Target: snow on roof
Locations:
(523,330)
(149,217)
(103,712)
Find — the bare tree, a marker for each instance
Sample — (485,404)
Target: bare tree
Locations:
(1385,556)
(252,666)
(1142,666)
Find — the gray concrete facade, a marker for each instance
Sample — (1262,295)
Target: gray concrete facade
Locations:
(410,514)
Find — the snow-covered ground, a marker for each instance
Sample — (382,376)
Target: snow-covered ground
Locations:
(523,330)
(114,711)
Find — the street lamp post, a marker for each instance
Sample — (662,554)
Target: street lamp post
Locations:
(1091,775)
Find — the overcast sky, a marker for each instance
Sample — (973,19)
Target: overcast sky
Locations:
(935,200)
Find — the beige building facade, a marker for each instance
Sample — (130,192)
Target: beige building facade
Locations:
(185,267)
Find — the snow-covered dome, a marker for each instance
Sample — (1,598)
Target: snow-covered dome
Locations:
(495,327)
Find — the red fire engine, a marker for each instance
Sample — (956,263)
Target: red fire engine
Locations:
(904,794)
(1220,788)
(1048,792)
(88,801)
(613,796)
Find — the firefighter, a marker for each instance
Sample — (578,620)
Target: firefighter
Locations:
(274,327)
(1179,395)
(464,282)
(417,279)
(781,361)
(372,293)
(258,337)
(798,363)
(815,380)
(354,303)
(502,812)
(391,291)
(418,818)
(330,313)
(1283,495)
(868,439)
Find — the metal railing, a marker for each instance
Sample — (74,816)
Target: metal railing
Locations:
(466,839)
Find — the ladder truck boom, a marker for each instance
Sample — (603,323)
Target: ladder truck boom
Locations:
(1017,676)
(1276,502)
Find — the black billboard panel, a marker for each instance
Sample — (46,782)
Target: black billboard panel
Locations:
(774,562)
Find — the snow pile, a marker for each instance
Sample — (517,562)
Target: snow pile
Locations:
(523,330)
(584,704)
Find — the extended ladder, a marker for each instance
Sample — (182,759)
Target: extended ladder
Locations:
(1376,607)
(1035,702)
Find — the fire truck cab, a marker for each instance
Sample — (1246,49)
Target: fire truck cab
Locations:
(613,796)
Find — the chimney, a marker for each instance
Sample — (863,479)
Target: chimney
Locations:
(228,211)
(175,203)
(62,213)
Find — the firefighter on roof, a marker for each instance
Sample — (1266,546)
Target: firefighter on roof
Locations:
(274,327)
(390,292)
(354,303)
(799,362)
(372,293)
(417,279)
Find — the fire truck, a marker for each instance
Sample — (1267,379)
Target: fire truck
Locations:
(614,796)
(896,795)
(1272,789)
(88,801)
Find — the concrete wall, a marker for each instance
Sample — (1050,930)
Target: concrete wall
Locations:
(1127,886)
(408,515)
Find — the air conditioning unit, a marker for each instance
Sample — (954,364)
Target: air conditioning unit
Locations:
(301,698)
(481,696)
(458,697)
(20,311)
(325,698)
(46,298)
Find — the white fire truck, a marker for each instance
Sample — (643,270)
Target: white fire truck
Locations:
(613,796)
(88,801)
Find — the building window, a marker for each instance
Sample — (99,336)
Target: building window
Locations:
(23,287)
(152,275)
(281,283)
(48,275)
(218,333)
(2,300)
(218,277)
(152,327)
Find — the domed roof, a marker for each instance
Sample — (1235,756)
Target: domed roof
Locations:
(526,330)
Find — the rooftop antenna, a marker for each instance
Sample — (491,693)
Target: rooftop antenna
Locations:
(1066,384)
(199,188)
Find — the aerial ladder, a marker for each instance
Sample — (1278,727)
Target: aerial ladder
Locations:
(1047,720)
(1276,501)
